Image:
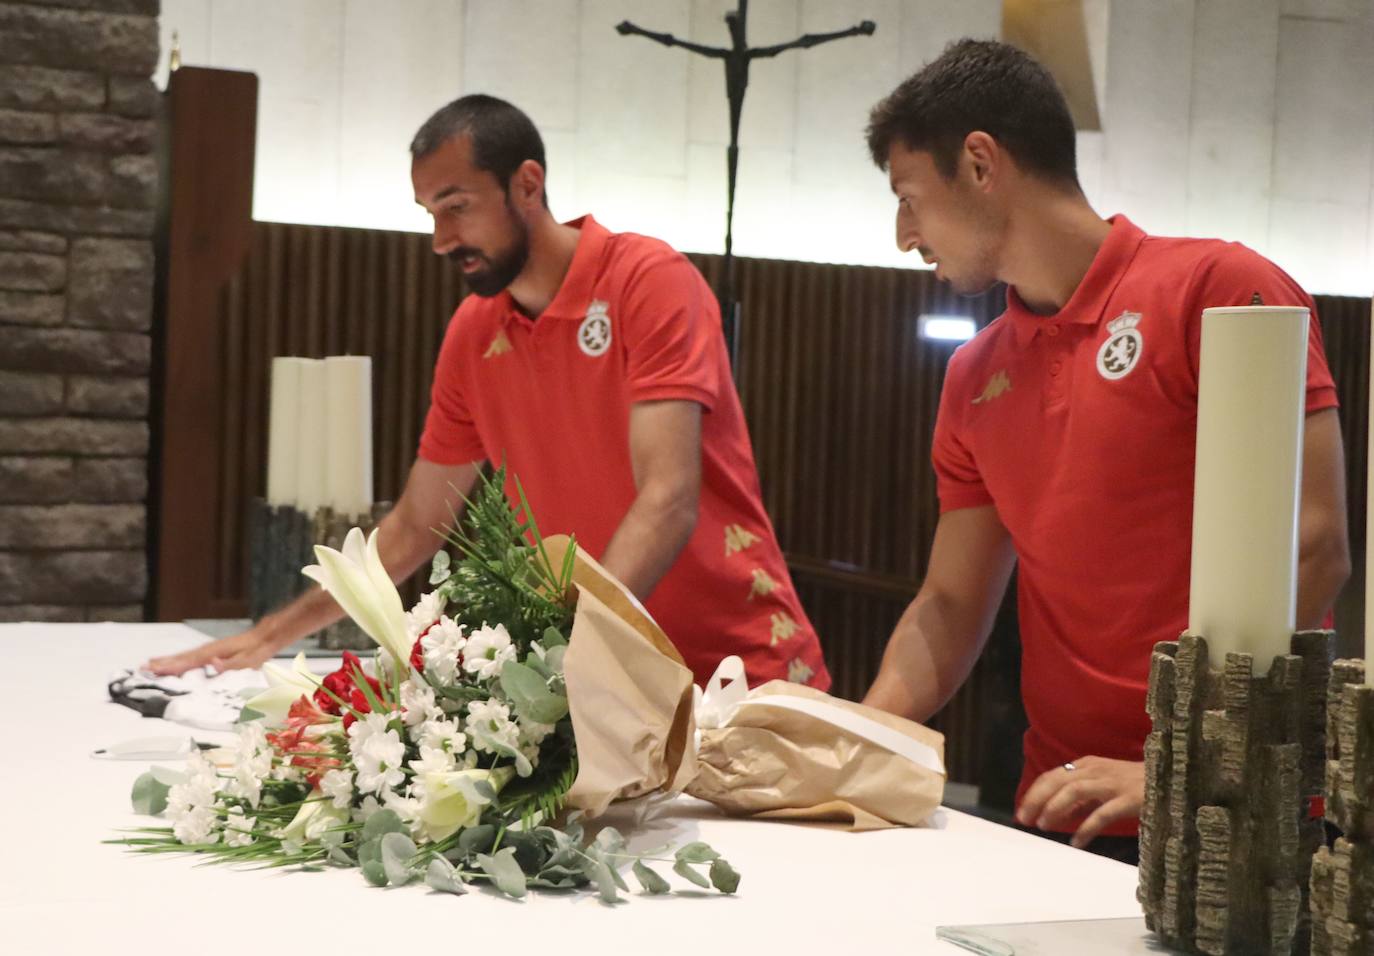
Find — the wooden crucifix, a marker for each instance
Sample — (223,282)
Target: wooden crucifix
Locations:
(737,57)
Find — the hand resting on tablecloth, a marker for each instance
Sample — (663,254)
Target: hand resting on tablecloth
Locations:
(1112,789)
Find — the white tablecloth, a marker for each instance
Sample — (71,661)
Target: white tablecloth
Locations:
(806,889)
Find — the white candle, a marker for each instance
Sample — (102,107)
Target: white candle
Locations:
(349,480)
(1251,401)
(283,430)
(312,448)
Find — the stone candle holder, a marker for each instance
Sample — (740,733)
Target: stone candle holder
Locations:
(281,542)
(1343,876)
(1232,766)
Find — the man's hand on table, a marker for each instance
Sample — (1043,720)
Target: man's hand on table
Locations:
(1112,789)
(252,648)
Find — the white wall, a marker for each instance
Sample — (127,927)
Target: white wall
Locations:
(1247,119)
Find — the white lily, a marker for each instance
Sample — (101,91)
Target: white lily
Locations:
(312,820)
(356,579)
(452,801)
(284,688)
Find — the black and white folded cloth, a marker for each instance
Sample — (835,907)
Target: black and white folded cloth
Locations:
(198,698)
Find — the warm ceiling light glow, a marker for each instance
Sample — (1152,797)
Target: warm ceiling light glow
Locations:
(946,328)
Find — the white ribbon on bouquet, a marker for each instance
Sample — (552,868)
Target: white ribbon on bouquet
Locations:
(727,691)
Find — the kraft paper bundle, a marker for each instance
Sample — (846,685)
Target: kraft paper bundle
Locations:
(788,751)
(782,750)
(629,693)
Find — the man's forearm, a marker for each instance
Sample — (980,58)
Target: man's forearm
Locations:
(647,542)
(929,656)
(1322,572)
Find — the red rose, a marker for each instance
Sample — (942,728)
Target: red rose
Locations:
(343,685)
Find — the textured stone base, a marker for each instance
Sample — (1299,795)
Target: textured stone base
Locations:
(282,541)
(1343,876)
(1226,842)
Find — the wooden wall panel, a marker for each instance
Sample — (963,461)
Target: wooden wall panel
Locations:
(839,391)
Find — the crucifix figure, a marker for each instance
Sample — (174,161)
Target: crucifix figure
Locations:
(737,57)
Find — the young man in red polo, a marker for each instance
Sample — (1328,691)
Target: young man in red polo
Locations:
(1065,436)
(592,364)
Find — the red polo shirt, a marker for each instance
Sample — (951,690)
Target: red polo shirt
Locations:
(1079,427)
(633,321)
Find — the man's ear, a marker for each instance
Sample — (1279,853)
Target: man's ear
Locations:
(527,185)
(984,157)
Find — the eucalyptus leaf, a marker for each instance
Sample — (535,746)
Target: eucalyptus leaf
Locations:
(381,823)
(605,881)
(370,851)
(443,877)
(339,856)
(149,795)
(504,871)
(651,881)
(530,695)
(374,872)
(552,638)
(397,852)
(697,852)
(476,839)
(684,869)
(610,840)
(440,568)
(723,876)
(247,715)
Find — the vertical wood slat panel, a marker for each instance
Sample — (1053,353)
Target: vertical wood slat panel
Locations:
(839,390)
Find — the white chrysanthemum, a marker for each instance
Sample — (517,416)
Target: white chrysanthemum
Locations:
(442,744)
(337,785)
(197,825)
(238,829)
(425,612)
(191,803)
(377,753)
(490,728)
(418,704)
(252,763)
(443,646)
(487,651)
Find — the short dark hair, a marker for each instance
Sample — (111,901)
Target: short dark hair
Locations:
(979,85)
(502,136)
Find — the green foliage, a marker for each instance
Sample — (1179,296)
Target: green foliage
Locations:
(504,574)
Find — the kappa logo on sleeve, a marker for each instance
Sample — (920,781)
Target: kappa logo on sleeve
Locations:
(997,386)
(1120,354)
(594,334)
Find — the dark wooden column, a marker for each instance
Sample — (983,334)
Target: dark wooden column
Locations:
(211,119)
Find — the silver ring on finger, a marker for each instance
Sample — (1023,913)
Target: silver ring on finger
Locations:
(1070,767)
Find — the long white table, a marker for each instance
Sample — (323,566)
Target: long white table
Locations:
(806,889)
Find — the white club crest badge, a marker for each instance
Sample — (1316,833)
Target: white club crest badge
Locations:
(594,334)
(1123,348)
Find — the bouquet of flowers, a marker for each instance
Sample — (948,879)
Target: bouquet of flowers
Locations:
(450,756)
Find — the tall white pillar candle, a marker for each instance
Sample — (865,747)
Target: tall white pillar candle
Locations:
(283,430)
(312,449)
(1251,400)
(348,482)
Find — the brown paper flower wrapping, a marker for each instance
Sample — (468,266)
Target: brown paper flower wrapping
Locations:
(631,700)
(773,762)
(629,693)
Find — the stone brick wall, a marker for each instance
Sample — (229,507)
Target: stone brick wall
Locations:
(77,189)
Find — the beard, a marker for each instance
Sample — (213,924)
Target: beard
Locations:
(499,269)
